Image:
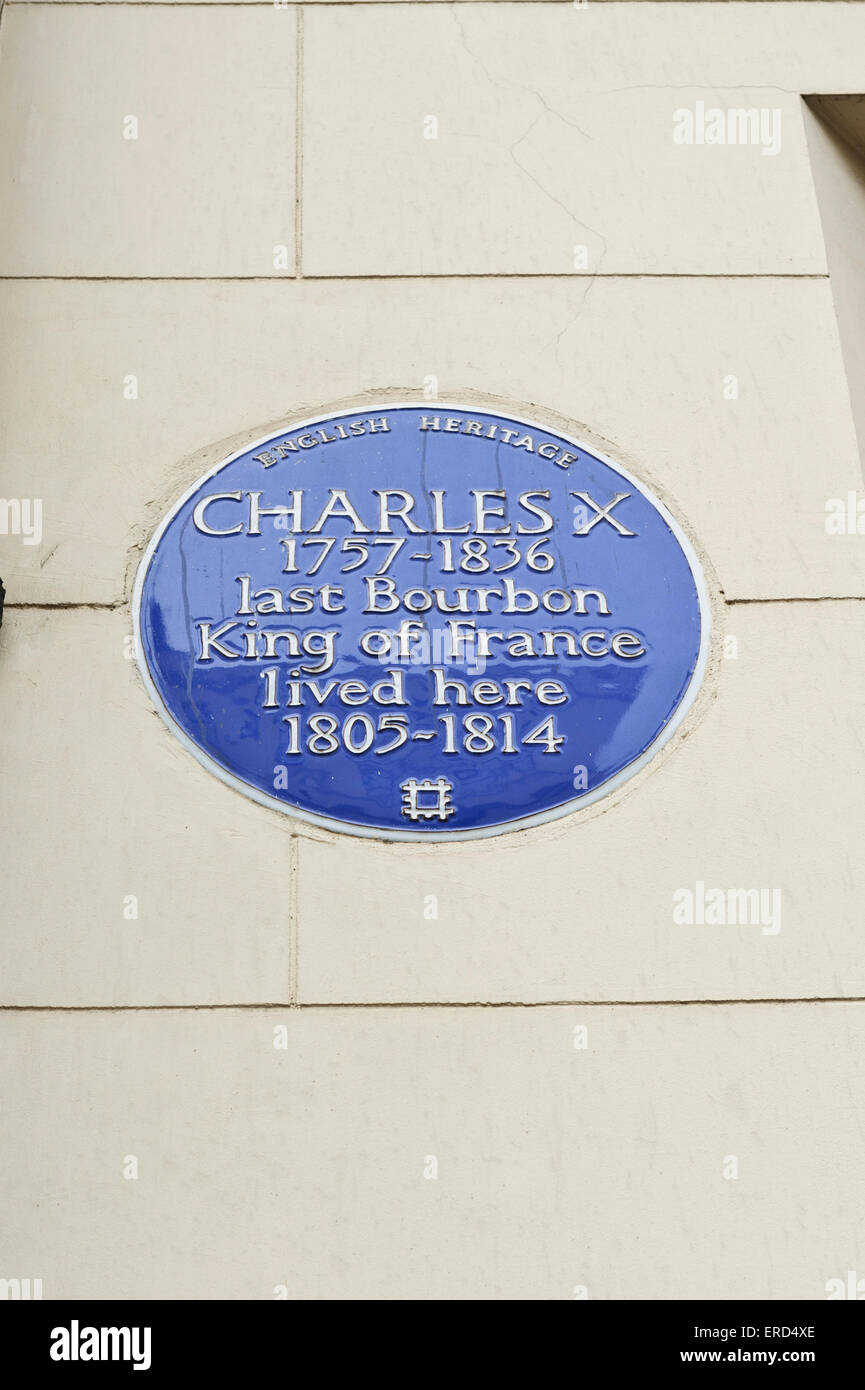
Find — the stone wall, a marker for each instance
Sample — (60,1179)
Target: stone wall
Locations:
(241,1057)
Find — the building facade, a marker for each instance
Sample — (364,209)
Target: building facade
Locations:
(617,1056)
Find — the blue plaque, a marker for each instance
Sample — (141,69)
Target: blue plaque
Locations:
(421,622)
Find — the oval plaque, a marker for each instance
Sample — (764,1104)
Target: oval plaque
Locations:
(421,622)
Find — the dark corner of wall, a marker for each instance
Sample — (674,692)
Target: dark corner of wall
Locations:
(835,129)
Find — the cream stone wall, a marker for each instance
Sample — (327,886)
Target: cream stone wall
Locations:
(536,1091)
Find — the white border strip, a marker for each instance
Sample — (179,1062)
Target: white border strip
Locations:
(419,836)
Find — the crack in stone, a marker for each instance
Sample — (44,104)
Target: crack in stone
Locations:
(523,168)
(505,83)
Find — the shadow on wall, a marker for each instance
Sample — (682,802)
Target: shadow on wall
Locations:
(835,128)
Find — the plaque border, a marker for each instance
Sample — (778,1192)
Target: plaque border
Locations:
(416,837)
